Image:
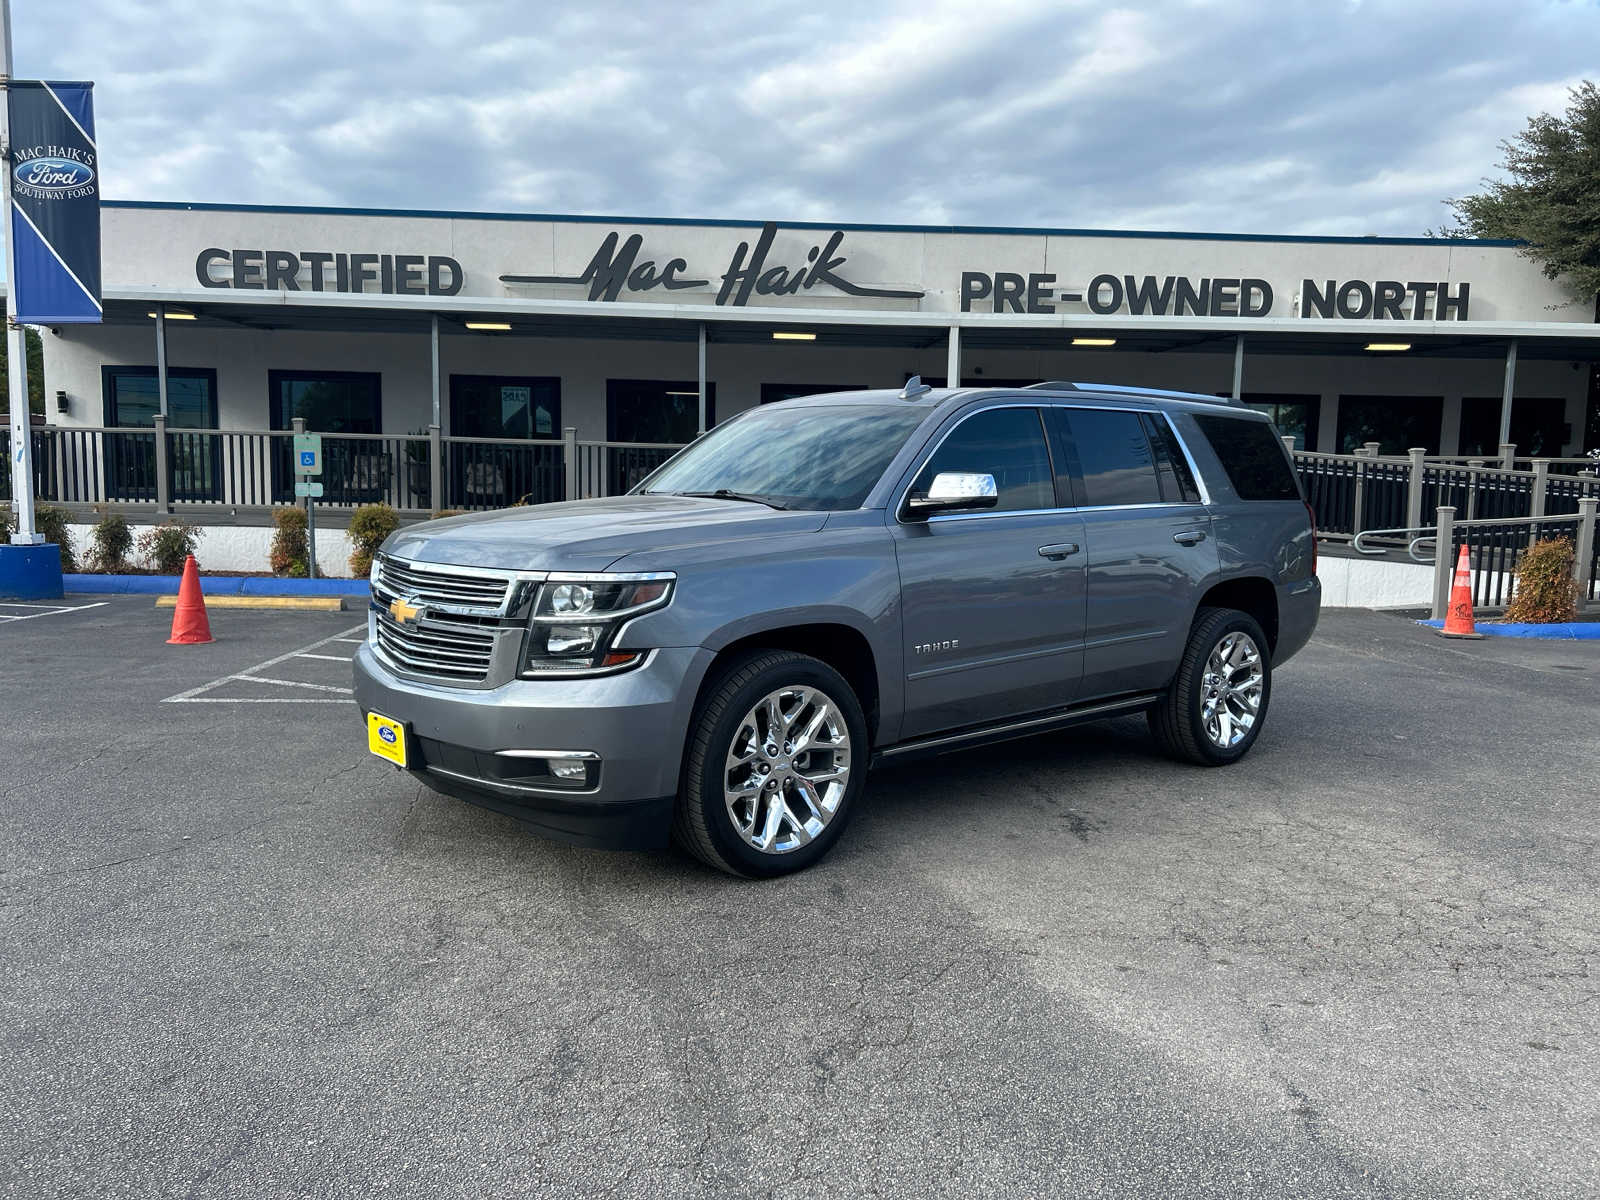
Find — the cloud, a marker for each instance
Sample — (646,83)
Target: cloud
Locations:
(1228,115)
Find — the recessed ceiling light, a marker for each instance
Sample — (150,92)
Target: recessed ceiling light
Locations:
(1388,345)
(1094,341)
(496,326)
(788,335)
(174,316)
(695,394)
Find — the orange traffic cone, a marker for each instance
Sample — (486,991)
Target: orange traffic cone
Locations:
(190,626)
(1458,617)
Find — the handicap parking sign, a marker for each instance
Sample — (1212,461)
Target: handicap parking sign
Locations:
(308,454)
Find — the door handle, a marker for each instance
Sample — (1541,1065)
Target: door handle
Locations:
(1190,537)
(1058,550)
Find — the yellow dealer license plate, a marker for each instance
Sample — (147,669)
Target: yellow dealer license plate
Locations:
(387,738)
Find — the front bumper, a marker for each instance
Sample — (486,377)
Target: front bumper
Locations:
(636,722)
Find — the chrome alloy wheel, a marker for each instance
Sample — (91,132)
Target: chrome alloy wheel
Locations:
(1230,692)
(787,769)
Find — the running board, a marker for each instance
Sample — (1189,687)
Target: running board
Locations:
(1002,731)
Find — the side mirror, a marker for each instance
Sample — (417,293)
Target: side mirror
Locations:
(955,491)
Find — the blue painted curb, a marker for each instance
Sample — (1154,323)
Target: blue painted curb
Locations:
(1572,631)
(214,585)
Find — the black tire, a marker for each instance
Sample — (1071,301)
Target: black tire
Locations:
(1177,722)
(702,823)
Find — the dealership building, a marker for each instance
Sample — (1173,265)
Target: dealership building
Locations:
(637,330)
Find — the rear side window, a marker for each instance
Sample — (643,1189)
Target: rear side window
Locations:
(1177,483)
(1115,457)
(1252,456)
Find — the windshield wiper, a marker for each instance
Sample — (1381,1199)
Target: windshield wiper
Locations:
(727,494)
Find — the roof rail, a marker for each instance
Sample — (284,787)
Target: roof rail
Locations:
(1165,393)
(1053,385)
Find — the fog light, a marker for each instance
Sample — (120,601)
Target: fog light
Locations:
(574,770)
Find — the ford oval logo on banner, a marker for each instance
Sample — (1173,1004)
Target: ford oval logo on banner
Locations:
(54,174)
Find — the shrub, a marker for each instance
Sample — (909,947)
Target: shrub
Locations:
(112,541)
(5,523)
(166,546)
(1546,591)
(369,525)
(290,550)
(54,524)
(448,512)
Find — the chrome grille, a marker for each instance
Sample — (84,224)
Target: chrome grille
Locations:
(450,647)
(398,579)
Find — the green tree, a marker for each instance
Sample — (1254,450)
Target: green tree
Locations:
(35,372)
(1550,198)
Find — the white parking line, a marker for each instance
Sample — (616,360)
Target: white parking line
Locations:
(197,695)
(315,687)
(326,657)
(51,610)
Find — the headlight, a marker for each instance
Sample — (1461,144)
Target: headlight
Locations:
(576,620)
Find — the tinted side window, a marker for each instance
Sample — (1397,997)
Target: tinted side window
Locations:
(1177,483)
(1007,443)
(1252,456)
(1115,456)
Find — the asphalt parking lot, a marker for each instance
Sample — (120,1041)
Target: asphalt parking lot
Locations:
(244,959)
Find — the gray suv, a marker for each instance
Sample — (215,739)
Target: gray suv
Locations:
(835,582)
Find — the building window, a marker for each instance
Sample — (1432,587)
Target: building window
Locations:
(330,401)
(771,393)
(132,399)
(1538,426)
(505,406)
(354,470)
(1396,423)
(1295,415)
(663,412)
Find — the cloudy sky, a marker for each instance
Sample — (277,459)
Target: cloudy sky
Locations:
(1321,117)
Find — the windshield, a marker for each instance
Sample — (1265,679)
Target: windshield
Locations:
(812,458)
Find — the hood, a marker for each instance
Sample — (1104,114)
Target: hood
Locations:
(590,535)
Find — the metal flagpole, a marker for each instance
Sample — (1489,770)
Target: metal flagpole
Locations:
(16,339)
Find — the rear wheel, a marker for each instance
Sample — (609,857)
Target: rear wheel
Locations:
(1216,706)
(776,760)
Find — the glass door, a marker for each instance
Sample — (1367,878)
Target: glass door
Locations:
(523,414)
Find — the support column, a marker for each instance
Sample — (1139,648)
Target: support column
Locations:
(702,378)
(1508,391)
(952,361)
(433,345)
(1238,366)
(161,361)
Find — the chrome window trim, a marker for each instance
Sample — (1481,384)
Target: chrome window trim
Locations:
(1194,470)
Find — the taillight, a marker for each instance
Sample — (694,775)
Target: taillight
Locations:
(1311,515)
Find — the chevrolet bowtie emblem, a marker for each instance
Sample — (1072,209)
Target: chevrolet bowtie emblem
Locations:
(403,612)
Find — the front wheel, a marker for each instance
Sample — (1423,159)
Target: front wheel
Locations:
(1216,706)
(776,760)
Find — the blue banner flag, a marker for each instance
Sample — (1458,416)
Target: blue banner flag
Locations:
(55,202)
